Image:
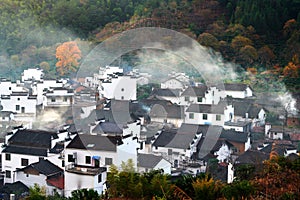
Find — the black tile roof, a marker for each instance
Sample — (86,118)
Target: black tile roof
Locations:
(238,123)
(95,142)
(167,111)
(243,106)
(207,108)
(44,167)
(165,138)
(220,143)
(32,138)
(116,111)
(18,188)
(254,157)
(195,91)
(166,92)
(26,150)
(108,127)
(234,86)
(180,138)
(148,160)
(59,147)
(232,135)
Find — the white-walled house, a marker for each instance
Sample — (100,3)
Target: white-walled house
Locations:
(19,102)
(23,147)
(172,95)
(97,150)
(201,94)
(240,140)
(58,97)
(209,114)
(245,110)
(84,177)
(239,126)
(149,162)
(7,87)
(222,150)
(193,95)
(88,156)
(112,83)
(236,90)
(274,132)
(85,162)
(106,128)
(172,114)
(178,145)
(175,81)
(119,87)
(214,95)
(45,174)
(39,87)
(22,104)
(32,74)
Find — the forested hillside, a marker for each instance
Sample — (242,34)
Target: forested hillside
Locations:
(263,35)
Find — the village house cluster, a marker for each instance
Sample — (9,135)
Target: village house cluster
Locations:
(180,128)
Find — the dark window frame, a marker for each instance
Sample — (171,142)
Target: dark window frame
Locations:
(24,161)
(7,156)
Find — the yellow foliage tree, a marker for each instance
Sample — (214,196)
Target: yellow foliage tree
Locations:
(68,55)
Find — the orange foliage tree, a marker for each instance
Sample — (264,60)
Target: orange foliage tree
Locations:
(291,71)
(280,179)
(68,55)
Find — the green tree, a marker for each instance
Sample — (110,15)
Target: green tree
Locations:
(207,39)
(238,190)
(240,41)
(84,194)
(37,193)
(206,188)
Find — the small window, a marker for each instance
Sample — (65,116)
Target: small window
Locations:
(99,178)
(65,99)
(218,117)
(191,115)
(24,161)
(18,99)
(122,97)
(8,174)
(62,163)
(108,161)
(199,99)
(17,107)
(187,98)
(122,89)
(52,99)
(213,93)
(204,116)
(70,158)
(9,88)
(7,156)
(87,159)
(170,152)
(22,109)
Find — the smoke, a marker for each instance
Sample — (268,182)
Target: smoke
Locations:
(288,102)
(50,119)
(195,60)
